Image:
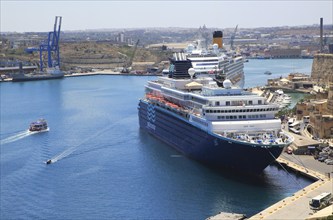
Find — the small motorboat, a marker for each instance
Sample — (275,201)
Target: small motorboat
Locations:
(268,73)
(48,161)
(39,125)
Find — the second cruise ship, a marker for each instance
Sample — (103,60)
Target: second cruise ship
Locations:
(216,61)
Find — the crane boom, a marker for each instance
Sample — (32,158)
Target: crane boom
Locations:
(132,56)
(232,38)
(128,64)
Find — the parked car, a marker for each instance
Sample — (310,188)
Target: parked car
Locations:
(329,161)
(323,154)
(322,158)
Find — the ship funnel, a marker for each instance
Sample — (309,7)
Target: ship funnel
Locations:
(218,38)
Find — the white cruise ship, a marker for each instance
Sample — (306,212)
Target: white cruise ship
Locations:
(216,61)
(223,127)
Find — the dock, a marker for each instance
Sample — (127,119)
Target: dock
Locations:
(97,73)
(297,206)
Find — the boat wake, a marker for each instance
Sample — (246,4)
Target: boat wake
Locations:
(17,136)
(70,150)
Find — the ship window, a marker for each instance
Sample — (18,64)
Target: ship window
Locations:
(251,110)
(233,110)
(227,117)
(250,102)
(214,111)
(244,116)
(247,110)
(217,103)
(259,102)
(227,103)
(237,110)
(222,111)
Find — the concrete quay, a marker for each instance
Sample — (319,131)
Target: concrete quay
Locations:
(297,205)
(93,74)
(108,73)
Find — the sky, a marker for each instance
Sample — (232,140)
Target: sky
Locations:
(38,15)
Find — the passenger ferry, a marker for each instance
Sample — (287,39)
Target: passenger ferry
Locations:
(39,125)
(223,127)
(216,61)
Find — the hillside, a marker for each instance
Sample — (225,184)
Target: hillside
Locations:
(83,56)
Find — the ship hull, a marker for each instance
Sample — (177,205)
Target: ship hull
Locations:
(22,78)
(208,148)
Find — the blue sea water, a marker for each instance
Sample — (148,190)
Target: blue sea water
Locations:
(255,69)
(106,167)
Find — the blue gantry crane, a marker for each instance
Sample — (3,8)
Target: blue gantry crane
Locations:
(51,47)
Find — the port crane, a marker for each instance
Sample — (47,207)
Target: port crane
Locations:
(51,47)
(128,64)
(232,38)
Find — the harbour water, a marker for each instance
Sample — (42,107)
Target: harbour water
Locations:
(106,167)
(255,69)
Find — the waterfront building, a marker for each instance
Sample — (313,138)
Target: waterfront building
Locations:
(320,114)
(322,69)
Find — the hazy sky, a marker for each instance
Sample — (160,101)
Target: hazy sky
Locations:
(25,15)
